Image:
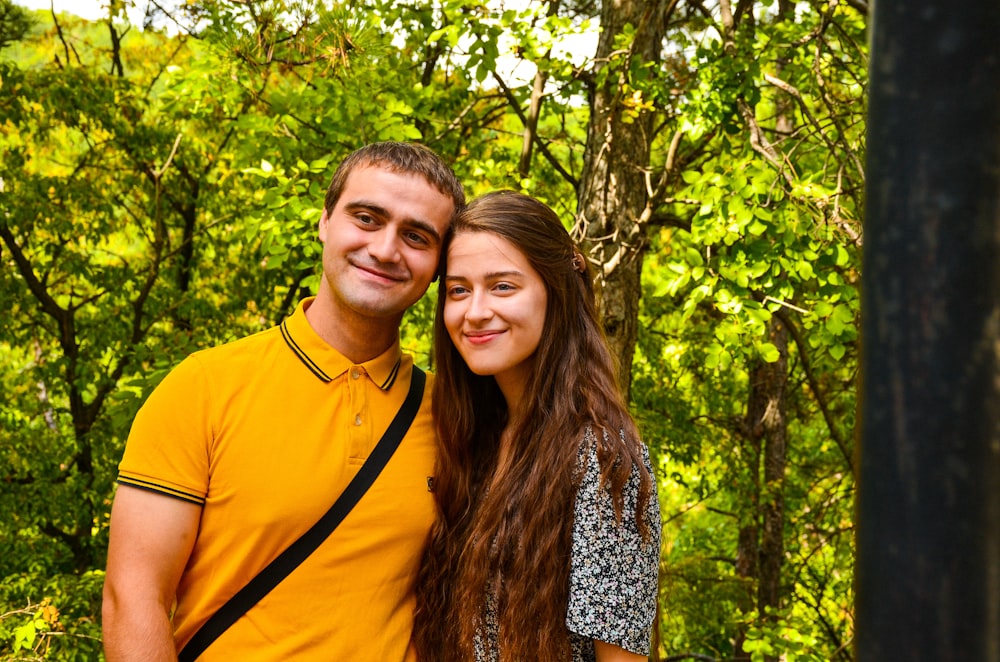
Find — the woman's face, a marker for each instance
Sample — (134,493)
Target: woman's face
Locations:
(494,308)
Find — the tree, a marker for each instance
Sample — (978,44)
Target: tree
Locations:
(15,23)
(614,196)
(725,141)
(162,191)
(743,164)
(122,236)
(774,262)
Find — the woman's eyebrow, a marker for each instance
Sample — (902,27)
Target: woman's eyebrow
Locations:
(493,275)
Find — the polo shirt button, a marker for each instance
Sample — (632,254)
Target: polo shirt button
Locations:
(355,373)
(357,419)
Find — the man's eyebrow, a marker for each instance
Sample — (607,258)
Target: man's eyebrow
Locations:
(368,206)
(379,210)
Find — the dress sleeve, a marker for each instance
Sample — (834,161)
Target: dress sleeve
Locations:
(613,573)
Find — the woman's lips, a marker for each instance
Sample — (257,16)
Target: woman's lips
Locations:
(481,337)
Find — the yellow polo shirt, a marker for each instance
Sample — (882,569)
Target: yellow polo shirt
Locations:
(265,433)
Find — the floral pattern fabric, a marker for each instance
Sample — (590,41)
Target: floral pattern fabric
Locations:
(613,571)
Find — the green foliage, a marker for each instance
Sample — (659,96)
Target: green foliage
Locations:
(790,638)
(173,204)
(60,626)
(117,215)
(767,233)
(15,23)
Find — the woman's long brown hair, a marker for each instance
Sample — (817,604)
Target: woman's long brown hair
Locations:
(505,524)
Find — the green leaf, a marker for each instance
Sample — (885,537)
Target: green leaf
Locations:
(769,352)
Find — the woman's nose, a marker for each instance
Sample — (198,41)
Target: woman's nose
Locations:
(479,308)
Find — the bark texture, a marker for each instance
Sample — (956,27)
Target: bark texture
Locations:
(613,191)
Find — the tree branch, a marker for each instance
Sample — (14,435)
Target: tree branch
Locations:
(860,5)
(67,47)
(62,316)
(800,343)
(760,143)
(542,147)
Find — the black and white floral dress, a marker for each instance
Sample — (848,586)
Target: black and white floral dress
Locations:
(613,572)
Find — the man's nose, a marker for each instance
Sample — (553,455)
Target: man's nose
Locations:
(384,246)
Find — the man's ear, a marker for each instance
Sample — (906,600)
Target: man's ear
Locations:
(324,222)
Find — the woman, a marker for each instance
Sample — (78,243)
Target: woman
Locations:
(547,544)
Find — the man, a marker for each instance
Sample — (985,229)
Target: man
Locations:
(243,447)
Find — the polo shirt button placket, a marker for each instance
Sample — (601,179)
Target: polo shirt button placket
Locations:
(356,375)
(359,427)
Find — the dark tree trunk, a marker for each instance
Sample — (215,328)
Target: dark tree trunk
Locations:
(761,546)
(928,533)
(770,381)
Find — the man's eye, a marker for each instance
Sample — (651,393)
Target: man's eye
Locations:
(416,238)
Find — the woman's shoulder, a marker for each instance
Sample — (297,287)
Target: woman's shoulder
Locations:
(609,444)
(609,433)
(594,435)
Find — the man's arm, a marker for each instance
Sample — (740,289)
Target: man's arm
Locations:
(151,539)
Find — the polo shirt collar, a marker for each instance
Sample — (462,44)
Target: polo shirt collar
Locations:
(326,362)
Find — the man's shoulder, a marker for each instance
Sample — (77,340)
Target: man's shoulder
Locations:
(228,357)
(246,345)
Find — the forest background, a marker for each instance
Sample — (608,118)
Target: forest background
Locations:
(160,183)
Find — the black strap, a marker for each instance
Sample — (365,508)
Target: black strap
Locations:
(299,550)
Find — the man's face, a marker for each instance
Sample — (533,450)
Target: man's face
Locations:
(382,241)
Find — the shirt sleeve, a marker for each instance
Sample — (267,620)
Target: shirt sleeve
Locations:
(613,573)
(168,447)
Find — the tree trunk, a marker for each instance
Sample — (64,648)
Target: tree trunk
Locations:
(928,523)
(761,547)
(770,381)
(613,189)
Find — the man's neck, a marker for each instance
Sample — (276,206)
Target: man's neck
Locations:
(358,338)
